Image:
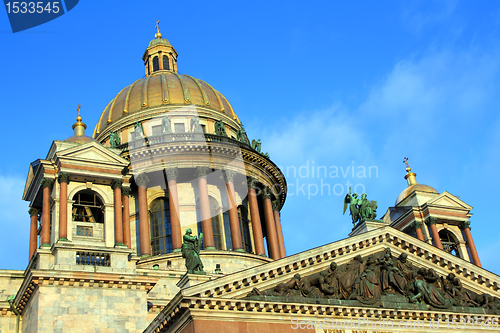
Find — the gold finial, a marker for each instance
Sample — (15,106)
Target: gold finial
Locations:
(79,118)
(410,176)
(158,33)
(79,127)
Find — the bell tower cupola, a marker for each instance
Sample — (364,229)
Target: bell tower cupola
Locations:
(159,55)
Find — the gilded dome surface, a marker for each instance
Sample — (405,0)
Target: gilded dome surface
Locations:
(413,188)
(163,88)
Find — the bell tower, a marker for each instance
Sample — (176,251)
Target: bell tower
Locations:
(159,55)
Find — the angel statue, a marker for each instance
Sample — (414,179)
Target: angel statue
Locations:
(196,126)
(138,130)
(114,139)
(352,201)
(191,252)
(256,145)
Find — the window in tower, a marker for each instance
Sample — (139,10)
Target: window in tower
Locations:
(450,242)
(156,64)
(165,63)
(149,71)
(245,230)
(179,128)
(87,207)
(161,232)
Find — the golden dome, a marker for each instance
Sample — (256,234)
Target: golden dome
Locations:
(163,88)
(416,187)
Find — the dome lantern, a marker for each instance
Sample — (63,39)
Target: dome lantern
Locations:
(159,55)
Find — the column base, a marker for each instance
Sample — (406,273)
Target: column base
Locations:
(240,250)
(210,248)
(45,245)
(120,245)
(176,250)
(63,239)
(262,255)
(143,256)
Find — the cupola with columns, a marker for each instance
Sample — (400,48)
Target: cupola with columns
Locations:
(441,219)
(167,154)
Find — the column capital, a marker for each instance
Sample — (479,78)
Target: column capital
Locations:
(47,182)
(126,191)
(202,172)
(252,182)
(465,225)
(417,224)
(172,173)
(33,211)
(141,179)
(63,177)
(266,193)
(229,175)
(276,205)
(116,183)
(431,221)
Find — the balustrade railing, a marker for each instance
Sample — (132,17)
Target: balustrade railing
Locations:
(93,259)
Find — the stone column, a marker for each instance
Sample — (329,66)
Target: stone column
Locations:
(47,187)
(431,221)
(63,205)
(465,226)
(418,229)
(254,214)
(279,231)
(141,181)
(116,185)
(126,217)
(208,234)
(173,202)
(33,230)
(234,222)
(272,237)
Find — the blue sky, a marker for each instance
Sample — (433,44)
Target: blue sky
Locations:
(330,83)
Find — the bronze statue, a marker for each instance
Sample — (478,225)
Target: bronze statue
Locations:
(352,271)
(195,125)
(138,130)
(220,129)
(166,125)
(428,293)
(114,139)
(191,252)
(368,288)
(256,145)
(352,201)
(406,267)
(290,288)
(241,135)
(391,277)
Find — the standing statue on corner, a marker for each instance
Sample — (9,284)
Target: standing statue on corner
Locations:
(191,252)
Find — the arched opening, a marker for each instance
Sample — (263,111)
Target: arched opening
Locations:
(161,231)
(88,214)
(450,242)
(245,229)
(156,64)
(166,65)
(87,207)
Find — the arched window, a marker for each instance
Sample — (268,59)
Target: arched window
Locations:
(165,63)
(161,232)
(156,64)
(449,241)
(87,207)
(149,71)
(245,230)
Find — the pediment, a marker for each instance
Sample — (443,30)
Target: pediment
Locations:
(446,199)
(92,152)
(265,277)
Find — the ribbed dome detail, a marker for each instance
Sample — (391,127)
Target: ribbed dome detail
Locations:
(163,88)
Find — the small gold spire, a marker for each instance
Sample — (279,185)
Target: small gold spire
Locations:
(158,33)
(79,127)
(410,176)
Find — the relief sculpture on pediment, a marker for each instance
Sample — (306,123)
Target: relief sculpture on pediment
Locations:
(381,280)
